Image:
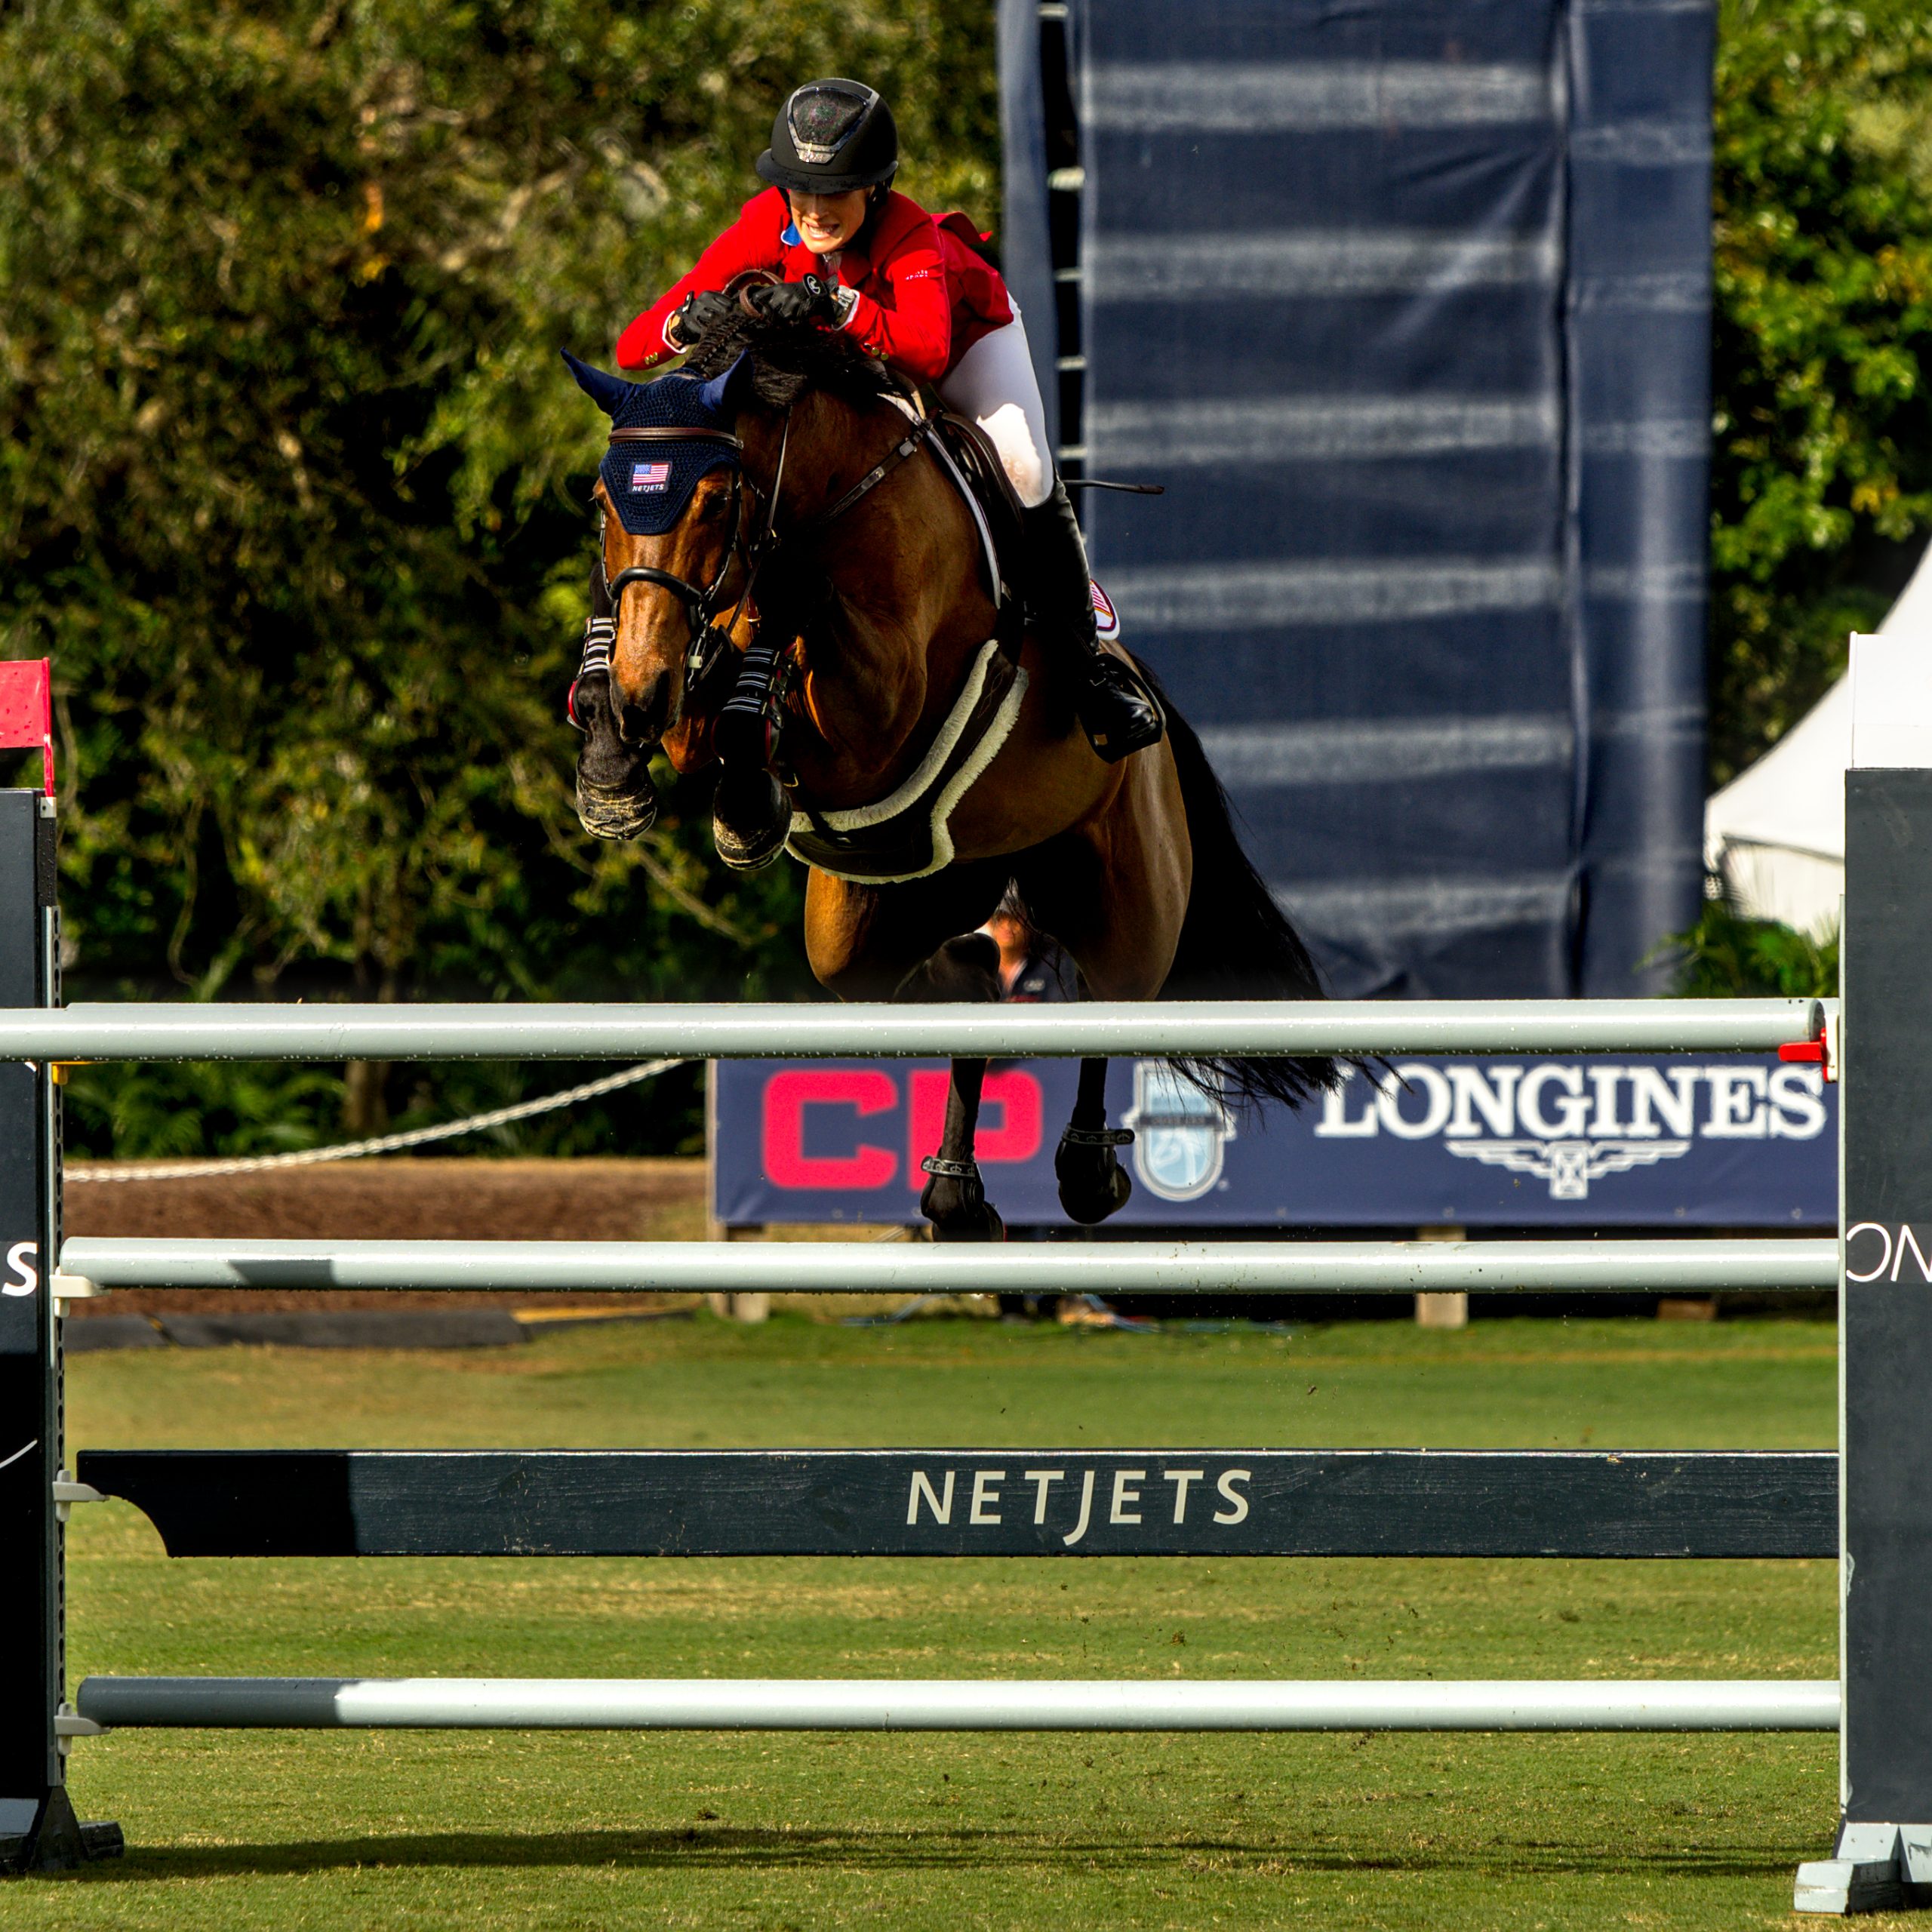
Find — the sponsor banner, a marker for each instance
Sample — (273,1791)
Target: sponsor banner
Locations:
(1718,1141)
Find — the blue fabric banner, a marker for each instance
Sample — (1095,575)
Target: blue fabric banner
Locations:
(1408,306)
(1546,1142)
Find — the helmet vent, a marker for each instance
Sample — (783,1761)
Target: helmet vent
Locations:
(823,119)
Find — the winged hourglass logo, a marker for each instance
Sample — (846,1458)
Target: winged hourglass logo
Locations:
(1569,1166)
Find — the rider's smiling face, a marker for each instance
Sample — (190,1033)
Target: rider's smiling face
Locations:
(828,222)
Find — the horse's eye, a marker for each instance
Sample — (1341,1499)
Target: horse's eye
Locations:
(713,506)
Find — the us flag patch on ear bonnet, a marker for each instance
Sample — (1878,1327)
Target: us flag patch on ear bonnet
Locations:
(649,487)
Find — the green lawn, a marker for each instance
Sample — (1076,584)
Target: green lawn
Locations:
(399,1829)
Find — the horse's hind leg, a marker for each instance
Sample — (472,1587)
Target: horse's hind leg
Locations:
(1093,1183)
(1113,892)
(955,1197)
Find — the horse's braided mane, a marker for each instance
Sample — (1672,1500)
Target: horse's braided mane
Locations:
(788,359)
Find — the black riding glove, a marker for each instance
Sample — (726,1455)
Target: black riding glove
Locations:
(700,312)
(809,300)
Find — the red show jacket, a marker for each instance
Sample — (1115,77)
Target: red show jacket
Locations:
(925,293)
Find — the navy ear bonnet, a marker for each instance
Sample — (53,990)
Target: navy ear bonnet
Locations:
(651,483)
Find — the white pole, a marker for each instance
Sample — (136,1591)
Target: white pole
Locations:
(1197,1028)
(777,1704)
(1104,1268)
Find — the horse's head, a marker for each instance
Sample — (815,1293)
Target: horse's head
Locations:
(689,490)
(671,490)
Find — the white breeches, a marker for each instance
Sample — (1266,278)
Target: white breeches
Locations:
(993,383)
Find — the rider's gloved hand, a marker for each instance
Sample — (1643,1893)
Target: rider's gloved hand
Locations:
(809,300)
(703,311)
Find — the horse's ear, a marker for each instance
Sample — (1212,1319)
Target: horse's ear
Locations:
(607,391)
(720,395)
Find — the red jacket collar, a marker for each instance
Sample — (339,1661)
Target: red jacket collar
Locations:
(877,240)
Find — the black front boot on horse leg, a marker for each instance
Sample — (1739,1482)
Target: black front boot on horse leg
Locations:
(750,816)
(750,813)
(954,1200)
(615,796)
(1093,1183)
(1117,711)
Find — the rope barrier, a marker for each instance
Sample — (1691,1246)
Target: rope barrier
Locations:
(388,1144)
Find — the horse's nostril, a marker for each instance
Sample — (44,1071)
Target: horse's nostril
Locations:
(634,724)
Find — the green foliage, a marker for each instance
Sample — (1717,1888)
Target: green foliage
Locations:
(294,491)
(1727,956)
(183,1112)
(1823,422)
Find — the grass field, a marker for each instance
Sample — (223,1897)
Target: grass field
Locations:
(399,1829)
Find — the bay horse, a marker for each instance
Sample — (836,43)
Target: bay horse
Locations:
(876,602)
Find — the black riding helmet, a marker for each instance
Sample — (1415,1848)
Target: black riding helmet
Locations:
(830,137)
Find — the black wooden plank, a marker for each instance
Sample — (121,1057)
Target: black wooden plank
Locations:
(978,1502)
(1887,1770)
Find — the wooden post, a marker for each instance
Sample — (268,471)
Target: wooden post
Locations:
(1442,1311)
(746,1308)
(39,1831)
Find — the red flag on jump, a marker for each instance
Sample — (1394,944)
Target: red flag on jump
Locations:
(26,710)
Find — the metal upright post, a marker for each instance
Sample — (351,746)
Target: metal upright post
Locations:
(39,1831)
(1884,1851)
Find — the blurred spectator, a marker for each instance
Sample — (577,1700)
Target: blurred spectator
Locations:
(1032,968)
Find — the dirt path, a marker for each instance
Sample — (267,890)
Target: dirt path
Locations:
(428,1200)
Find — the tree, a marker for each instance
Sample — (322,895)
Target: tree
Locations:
(1823,245)
(294,491)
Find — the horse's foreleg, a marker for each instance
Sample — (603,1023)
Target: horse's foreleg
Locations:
(1093,1183)
(615,797)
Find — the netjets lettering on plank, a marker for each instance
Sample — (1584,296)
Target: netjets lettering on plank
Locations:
(1572,1123)
(1080,1498)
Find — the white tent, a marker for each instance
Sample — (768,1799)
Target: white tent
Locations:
(1776,832)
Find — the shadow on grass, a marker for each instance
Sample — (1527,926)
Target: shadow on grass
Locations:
(724,1848)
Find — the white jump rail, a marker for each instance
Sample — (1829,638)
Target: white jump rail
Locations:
(1110,1268)
(780,1704)
(1202,1030)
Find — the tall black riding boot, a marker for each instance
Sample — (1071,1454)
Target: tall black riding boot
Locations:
(1117,711)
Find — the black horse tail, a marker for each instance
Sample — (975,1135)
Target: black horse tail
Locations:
(1235,941)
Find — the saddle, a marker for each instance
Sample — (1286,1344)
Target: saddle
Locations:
(904,835)
(990,494)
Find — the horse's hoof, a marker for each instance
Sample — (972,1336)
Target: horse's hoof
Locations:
(1093,1183)
(750,816)
(983,1225)
(608,812)
(957,1207)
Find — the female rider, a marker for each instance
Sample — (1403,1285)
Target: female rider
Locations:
(853,254)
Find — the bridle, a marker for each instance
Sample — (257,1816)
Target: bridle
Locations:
(709,640)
